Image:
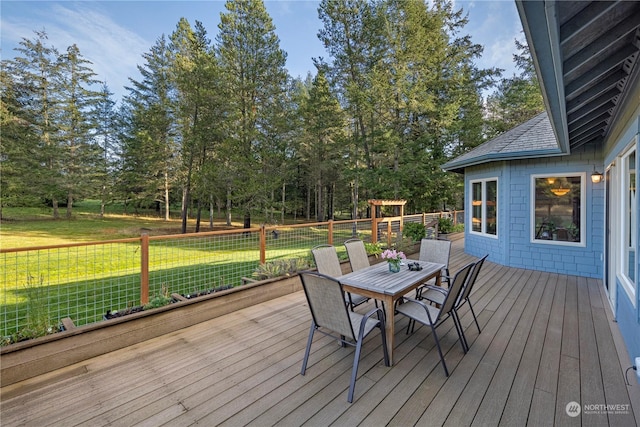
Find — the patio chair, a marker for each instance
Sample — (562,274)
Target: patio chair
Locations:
(437,295)
(437,251)
(324,296)
(357,252)
(418,311)
(358,258)
(327,263)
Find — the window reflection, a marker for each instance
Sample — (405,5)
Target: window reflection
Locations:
(557,208)
(484,206)
(630,216)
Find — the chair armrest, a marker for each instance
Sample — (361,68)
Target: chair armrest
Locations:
(443,291)
(373,311)
(421,304)
(407,299)
(369,314)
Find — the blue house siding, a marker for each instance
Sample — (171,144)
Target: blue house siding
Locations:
(478,245)
(628,312)
(513,247)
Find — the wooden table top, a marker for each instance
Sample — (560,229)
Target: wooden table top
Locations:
(378,278)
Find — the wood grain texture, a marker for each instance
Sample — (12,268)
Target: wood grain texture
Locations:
(546,339)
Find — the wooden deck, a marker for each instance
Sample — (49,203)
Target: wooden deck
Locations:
(547,340)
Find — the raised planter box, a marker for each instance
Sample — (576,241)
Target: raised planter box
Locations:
(27,359)
(451,236)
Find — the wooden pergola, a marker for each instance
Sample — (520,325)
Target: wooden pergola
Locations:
(375,205)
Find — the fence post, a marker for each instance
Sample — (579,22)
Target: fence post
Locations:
(455,218)
(330,229)
(144,269)
(389,233)
(263,244)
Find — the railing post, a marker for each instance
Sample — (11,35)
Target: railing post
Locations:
(144,269)
(389,233)
(374,228)
(263,244)
(330,229)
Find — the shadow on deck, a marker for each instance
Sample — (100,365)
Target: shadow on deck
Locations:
(547,340)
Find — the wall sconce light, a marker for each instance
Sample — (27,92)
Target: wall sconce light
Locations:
(596,177)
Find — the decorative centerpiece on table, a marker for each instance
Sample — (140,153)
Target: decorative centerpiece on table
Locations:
(394,259)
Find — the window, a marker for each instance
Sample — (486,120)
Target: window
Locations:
(628,222)
(484,206)
(558,209)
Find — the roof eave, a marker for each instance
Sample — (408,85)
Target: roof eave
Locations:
(458,167)
(541,28)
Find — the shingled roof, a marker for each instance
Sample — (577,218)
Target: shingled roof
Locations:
(533,138)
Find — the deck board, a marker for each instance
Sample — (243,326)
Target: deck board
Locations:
(546,339)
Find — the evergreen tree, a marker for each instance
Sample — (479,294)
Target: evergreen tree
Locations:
(106,138)
(35,74)
(76,123)
(199,110)
(322,142)
(252,64)
(150,147)
(517,98)
(19,143)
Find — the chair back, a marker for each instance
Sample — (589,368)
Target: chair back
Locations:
(454,289)
(437,251)
(472,278)
(326,302)
(357,254)
(326,259)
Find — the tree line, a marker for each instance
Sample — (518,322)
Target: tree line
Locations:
(220,125)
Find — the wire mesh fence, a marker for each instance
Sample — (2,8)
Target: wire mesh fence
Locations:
(41,286)
(75,281)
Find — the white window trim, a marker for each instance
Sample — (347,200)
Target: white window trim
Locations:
(483,182)
(583,211)
(628,286)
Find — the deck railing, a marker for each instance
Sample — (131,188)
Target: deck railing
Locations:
(82,281)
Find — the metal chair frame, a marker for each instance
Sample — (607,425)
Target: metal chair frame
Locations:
(323,296)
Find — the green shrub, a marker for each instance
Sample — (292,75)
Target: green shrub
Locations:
(159,300)
(445,225)
(280,267)
(373,248)
(38,323)
(415,231)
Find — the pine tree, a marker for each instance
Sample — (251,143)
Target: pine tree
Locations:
(252,64)
(199,110)
(19,143)
(106,138)
(35,73)
(518,98)
(322,142)
(78,104)
(149,148)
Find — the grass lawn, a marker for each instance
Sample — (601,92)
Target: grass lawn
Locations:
(27,227)
(84,282)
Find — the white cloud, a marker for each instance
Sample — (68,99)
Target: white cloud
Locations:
(113,50)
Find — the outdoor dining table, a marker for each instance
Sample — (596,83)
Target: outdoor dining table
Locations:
(379,283)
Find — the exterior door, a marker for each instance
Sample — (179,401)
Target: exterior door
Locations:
(609,238)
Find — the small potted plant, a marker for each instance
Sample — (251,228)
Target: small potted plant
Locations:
(394,259)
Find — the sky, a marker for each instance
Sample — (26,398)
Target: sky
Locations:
(114,35)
